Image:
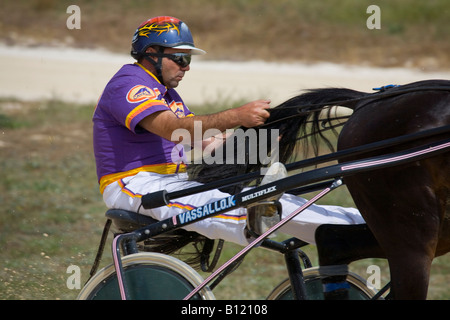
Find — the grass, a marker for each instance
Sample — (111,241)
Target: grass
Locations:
(52,213)
(413,33)
(50,207)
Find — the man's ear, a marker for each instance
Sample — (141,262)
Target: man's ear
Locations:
(151,49)
(142,60)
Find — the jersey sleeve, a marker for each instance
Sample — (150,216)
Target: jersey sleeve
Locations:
(129,104)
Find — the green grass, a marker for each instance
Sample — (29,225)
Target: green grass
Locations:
(413,32)
(51,209)
(52,213)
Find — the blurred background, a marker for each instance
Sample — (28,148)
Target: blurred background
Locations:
(52,213)
(413,32)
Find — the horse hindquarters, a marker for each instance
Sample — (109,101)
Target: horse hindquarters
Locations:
(404,205)
(401,208)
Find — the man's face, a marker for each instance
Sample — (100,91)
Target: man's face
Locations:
(172,72)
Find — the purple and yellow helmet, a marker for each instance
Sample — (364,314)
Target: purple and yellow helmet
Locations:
(163,31)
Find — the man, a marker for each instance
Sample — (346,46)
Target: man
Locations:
(134,147)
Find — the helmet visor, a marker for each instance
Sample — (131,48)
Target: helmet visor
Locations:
(194,50)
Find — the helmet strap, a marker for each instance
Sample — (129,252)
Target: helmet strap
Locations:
(157,64)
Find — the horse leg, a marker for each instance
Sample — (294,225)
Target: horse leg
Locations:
(410,284)
(409,259)
(433,234)
(405,218)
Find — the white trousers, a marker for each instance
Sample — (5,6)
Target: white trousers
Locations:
(126,194)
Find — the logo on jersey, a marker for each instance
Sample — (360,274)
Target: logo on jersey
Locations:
(178,109)
(141,93)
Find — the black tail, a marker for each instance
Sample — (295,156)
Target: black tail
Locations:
(297,119)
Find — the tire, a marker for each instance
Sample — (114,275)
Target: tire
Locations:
(149,276)
(358,289)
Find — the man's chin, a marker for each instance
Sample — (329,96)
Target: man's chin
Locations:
(173,84)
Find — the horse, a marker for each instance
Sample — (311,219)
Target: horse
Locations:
(406,207)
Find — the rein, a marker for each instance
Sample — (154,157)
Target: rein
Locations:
(382,93)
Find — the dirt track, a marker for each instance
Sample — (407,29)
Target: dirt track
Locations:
(80,75)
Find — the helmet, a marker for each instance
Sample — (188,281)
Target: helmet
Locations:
(162,31)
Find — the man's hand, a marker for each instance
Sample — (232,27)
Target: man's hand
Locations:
(253,113)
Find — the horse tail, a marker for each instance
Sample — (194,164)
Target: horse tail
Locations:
(298,118)
(313,103)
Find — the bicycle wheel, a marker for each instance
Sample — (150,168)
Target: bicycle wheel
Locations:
(149,276)
(314,290)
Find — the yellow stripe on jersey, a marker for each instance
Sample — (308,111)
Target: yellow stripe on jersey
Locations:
(145,69)
(140,108)
(166,168)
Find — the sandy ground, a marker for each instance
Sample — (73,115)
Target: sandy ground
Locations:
(80,75)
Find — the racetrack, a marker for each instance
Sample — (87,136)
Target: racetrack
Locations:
(50,196)
(78,75)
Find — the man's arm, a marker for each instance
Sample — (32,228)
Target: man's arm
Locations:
(164,123)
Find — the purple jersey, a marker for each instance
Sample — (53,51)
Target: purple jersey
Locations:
(121,147)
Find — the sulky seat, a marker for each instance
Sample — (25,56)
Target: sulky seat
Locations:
(127,221)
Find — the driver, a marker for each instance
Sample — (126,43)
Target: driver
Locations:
(136,154)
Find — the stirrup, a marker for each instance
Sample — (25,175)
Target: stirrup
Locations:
(263,215)
(276,171)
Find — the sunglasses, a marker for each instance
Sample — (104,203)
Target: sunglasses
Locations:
(180,58)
